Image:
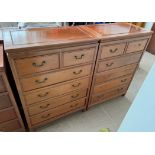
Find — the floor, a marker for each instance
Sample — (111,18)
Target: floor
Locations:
(107,115)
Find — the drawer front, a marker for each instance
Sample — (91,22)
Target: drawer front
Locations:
(109,95)
(56,77)
(114,73)
(5,101)
(37,64)
(78,56)
(46,93)
(112,50)
(135,46)
(7,115)
(112,84)
(118,62)
(58,111)
(55,102)
(10,126)
(2,86)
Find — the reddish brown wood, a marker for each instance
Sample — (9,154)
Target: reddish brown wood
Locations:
(9,112)
(76,48)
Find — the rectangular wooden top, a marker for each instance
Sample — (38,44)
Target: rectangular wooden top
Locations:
(37,38)
(109,31)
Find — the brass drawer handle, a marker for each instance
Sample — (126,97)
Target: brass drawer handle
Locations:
(99,96)
(123,80)
(75,96)
(43,107)
(109,65)
(119,89)
(76,73)
(38,65)
(77,85)
(45,116)
(76,57)
(113,51)
(73,106)
(43,95)
(44,80)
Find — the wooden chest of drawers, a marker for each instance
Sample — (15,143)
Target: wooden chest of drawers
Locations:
(59,71)
(10,119)
(116,62)
(53,80)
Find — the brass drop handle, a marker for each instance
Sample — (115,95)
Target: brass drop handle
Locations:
(76,73)
(119,89)
(75,96)
(123,80)
(73,106)
(113,51)
(45,116)
(77,85)
(43,95)
(109,65)
(99,96)
(38,65)
(44,80)
(80,57)
(43,107)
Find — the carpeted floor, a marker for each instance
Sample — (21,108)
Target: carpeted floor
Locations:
(107,115)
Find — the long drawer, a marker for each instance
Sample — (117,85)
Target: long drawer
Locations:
(114,73)
(54,102)
(57,111)
(111,84)
(37,64)
(10,126)
(2,86)
(118,62)
(7,114)
(78,56)
(59,89)
(109,95)
(54,77)
(5,101)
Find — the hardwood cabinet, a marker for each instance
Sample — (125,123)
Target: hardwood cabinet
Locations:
(53,70)
(10,119)
(120,50)
(58,71)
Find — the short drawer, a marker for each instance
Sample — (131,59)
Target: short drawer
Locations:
(58,111)
(112,50)
(114,73)
(135,46)
(4,101)
(10,126)
(55,102)
(7,115)
(59,89)
(118,62)
(54,77)
(2,86)
(78,56)
(109,95)
(112,84)
(37,64)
